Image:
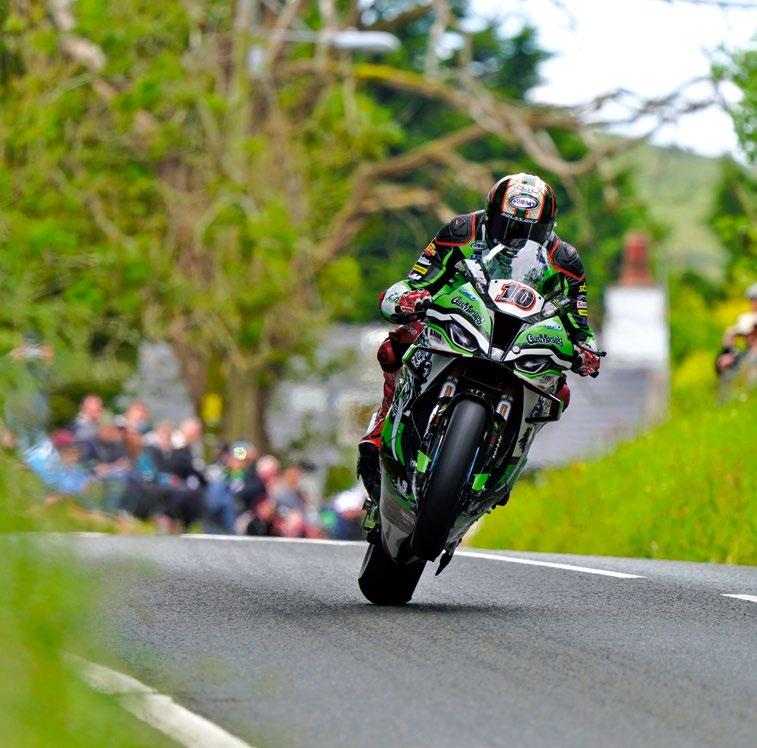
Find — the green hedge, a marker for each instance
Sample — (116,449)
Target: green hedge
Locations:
(686,490)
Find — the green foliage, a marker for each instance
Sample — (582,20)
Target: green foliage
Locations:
(508,66)
(685,490)
(169,194)
(740,69)
(734,220)
(595,212)
(10,60)
(693,326)
(340,477)
(45,610)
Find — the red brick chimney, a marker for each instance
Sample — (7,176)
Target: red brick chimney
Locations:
(635,270)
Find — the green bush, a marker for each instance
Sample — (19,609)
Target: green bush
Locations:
(685,490)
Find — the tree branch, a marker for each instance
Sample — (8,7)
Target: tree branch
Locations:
(401,19)
(352,215)
(276,36)
(438,27)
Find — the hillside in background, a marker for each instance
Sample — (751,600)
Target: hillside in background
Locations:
(682,491)
(678,187)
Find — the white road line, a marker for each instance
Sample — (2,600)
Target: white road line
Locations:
(159,711)
(469,554)
(549,564)
(748,598)
(267,539)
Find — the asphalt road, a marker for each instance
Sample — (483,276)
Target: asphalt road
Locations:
(274,642)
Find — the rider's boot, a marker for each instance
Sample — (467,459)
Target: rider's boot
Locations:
(369,470)
(368,467)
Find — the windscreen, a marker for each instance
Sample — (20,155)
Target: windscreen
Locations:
(523,260)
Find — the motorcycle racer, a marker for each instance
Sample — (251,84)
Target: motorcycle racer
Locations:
(518,207)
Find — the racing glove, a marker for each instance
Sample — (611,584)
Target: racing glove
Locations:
(586,361)
(413,302)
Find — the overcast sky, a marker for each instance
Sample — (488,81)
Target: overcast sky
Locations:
(650,47)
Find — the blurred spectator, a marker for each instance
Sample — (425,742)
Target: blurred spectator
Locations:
(145,498)
(259,508)
(85,425)
(291,504)
(268,468)
(55,461)
(235,488)
(137,417)
(27,410)
(345,513)
(287,491)
(738,356)
(106,456)
(162,447)
(181,503)
(187,460)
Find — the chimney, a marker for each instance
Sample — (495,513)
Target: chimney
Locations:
(635,270)
(635,330)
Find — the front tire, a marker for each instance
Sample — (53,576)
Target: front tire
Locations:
(445,485)
(384,582)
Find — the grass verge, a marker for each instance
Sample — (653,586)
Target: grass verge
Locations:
(685,490)
(45,601)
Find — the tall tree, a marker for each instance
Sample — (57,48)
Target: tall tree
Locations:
(199,171)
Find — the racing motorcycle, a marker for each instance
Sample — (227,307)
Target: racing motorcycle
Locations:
(474,390)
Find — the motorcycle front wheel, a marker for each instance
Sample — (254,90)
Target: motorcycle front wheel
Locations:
(384,582)
(445,485)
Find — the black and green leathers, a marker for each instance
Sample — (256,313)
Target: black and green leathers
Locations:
(466,236)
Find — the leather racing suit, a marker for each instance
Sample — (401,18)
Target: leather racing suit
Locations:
(465,236)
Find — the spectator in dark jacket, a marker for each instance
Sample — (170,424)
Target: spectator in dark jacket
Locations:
(182,504)
(237,489)
(187,460)
(106,456)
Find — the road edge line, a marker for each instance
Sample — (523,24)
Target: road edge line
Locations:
(158,710)
(267,539)
(549,565)
(748,598)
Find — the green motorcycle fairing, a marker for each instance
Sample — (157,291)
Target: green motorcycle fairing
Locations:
(492,333)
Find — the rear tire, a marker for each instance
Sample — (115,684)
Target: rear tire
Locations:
(385,583)
(442,495)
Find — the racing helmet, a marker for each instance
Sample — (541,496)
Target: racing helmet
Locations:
(520,206)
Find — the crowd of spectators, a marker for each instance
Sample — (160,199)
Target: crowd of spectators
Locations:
(127,466)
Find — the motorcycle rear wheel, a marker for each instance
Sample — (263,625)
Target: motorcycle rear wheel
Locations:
(384,582)
(451,467)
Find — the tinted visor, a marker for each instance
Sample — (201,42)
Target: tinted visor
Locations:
(506,230)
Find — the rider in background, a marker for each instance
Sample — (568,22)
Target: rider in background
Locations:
(734,359)
(518,206)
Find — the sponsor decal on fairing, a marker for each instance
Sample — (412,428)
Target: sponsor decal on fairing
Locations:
(544,339)
(468,309)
